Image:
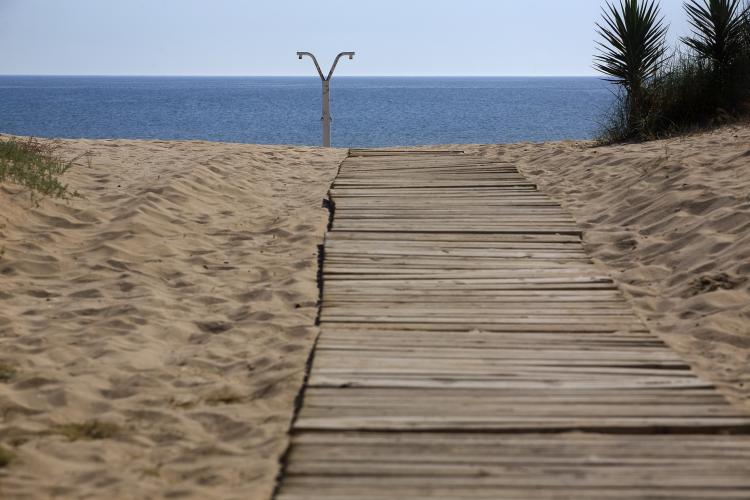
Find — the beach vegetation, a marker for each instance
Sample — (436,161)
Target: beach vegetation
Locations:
(718,31)
(151,472)
(224,396)
(631,54)
(6,457)
(91,430)
(7,372)
(703,83)
(718,42)
(36,165)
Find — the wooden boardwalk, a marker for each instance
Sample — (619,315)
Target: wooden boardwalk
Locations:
(470,349)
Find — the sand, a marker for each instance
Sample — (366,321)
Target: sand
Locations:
(160,326)
(670,221)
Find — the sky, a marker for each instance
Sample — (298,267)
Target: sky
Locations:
(261,37)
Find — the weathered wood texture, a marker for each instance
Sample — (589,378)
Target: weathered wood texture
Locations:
(470,349)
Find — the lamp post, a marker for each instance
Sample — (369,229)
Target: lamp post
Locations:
(326,80)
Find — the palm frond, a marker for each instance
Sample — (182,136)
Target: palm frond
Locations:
(718,29)
(633,42)
(746,26)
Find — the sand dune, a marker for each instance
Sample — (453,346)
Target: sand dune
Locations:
(159,327)
(670,220)
(154,334)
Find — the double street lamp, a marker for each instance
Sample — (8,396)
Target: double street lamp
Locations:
(326,80)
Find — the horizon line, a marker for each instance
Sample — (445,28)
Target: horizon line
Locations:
(143,75)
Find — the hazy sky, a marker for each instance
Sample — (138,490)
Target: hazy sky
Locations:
(260,37)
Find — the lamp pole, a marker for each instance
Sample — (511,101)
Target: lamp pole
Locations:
(326,80)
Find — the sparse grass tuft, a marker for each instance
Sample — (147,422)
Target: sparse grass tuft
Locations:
(35,165)
(93,429)
(151,472)
(6,457)
(7,372)
(223,396)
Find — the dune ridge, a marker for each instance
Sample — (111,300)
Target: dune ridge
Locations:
(155,332)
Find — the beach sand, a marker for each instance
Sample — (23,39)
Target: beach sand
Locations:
(670,221)
(169,313)
(160,326)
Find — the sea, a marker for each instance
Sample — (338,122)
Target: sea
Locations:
(367,111)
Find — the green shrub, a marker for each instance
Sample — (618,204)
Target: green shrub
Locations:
(35,165)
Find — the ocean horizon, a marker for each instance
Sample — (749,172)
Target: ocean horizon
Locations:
(367,111)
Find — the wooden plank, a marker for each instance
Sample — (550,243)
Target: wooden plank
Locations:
(492,326)
(463,237)
(441,228)
(396,152)
(362,398)
(410,347)
(531,342)
(381,335)
(500,309)
(523,423)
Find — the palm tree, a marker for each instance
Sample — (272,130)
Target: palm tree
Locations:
(746,26)
(632,51)
(718,31)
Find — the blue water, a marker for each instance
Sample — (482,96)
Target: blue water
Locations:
(371,111)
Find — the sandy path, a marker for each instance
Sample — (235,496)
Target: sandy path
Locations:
(176,302)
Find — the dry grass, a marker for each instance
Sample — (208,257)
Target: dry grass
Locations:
(35,165)
(6,457)
(90,430)
(7,372)
(225,396)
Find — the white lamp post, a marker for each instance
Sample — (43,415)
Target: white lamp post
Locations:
(326,119)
